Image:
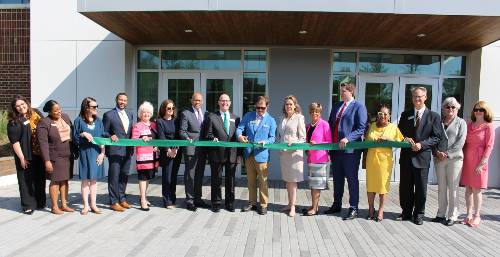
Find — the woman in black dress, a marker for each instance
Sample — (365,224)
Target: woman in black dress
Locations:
(21,130)
(165,125)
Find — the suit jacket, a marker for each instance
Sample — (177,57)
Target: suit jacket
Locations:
(353,123)
(321,134)
(264,131)
(453,138)
(190,128)
(428,134)
(113,126)
(215,129)
(294,131)
(51,147)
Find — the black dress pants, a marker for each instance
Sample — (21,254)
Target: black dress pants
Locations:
(413,190)
(216,181)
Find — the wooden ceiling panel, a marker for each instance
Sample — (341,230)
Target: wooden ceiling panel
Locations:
(457,33)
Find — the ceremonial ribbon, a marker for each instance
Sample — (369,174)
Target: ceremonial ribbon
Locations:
(276,146)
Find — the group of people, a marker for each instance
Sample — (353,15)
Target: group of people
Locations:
(45,148)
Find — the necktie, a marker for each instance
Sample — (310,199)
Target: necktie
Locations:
(226,123)
(125,121)
(200,117)
(337,122)
(417,120)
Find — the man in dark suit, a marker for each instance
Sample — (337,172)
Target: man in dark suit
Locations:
(422,128)
(191,127)
(118,124)
(221,126)
(348,120)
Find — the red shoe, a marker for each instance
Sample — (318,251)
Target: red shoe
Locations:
(475,221)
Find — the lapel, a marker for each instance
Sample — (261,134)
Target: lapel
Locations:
(318,129)
(232,124)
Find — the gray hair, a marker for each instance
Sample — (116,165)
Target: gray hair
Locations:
(145,107)
(423,89)
(451,101)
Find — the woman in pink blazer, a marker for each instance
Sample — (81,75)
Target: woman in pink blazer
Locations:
(318,161)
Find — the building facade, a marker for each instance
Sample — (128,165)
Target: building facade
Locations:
(155,50)
(14,50)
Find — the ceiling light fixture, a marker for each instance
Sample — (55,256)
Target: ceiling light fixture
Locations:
(302,32)
(421,35)
(188,30)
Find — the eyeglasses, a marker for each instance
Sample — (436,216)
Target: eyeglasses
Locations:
(93,106)
(260,108)
(450,107)
(418,96)
(382,114)
(479,110)
(170,108)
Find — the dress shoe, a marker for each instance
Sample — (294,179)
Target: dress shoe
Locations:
(249,208)
(309,213)
(402,217)
(144,208)
(216,207)
(334,209)
(230,207)
(202,204)
(438,219)
(418,221)
(125,205)
(190,207)
(352,214)
(117,207)
(449,222)
(170,206)
(262,210)
(28,212)
(96,210)
(67,209)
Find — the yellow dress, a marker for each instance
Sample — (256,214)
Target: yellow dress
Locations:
(379,160)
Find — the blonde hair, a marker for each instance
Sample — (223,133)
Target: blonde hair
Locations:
(488,114)
(295,102)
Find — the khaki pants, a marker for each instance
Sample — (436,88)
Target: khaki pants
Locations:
(448,176)
(257,172)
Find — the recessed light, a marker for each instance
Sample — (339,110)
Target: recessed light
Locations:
(188,30)
(421,35)
(302,32)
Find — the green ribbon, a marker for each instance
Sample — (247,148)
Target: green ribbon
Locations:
(277,146)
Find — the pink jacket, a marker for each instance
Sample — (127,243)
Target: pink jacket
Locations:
(321,134)
(146,158)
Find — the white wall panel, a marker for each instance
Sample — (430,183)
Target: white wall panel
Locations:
(60,20)
(53,74)
(100,71)
(490,77)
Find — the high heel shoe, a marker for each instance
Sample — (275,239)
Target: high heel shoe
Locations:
(84,211)
(371,215)
(96,210)
(475,221)
(466,221)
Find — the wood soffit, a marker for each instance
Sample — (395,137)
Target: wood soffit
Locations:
(352,30)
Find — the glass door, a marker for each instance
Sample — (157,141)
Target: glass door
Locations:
(374,91)
(179,87)
(432,86)
(215,83)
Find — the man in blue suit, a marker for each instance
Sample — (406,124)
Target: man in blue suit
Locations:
(118,124)
(348,120)
(257,127)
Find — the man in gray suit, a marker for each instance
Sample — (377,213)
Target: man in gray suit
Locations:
(191,127)
(221,126)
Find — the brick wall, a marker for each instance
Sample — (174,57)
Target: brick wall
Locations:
(14,54)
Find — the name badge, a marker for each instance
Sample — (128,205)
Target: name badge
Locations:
(26,122)
(253,122)
(232,120)
(265,126)
(53,124)
(411,117)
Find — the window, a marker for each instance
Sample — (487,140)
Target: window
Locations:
(454,65)
(399,63)
(455,87)
(148,59)
(201,60)
(344,70)
(147,88)
(254,78)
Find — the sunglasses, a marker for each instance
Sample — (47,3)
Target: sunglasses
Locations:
(93,106)
(382,114)
(260,108)
(479,110)
(170,108)
(450,107)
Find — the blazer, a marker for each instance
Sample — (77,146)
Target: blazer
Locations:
(294,131)
(265,131)
(113,126)
(215,129)
(453,139)
(353,123)
(428,134)
(51,147)
(190,128)
(321,134)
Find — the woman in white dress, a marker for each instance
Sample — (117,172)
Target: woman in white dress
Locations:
(292,129)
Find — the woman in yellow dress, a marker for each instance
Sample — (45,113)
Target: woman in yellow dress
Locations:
(379,160)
